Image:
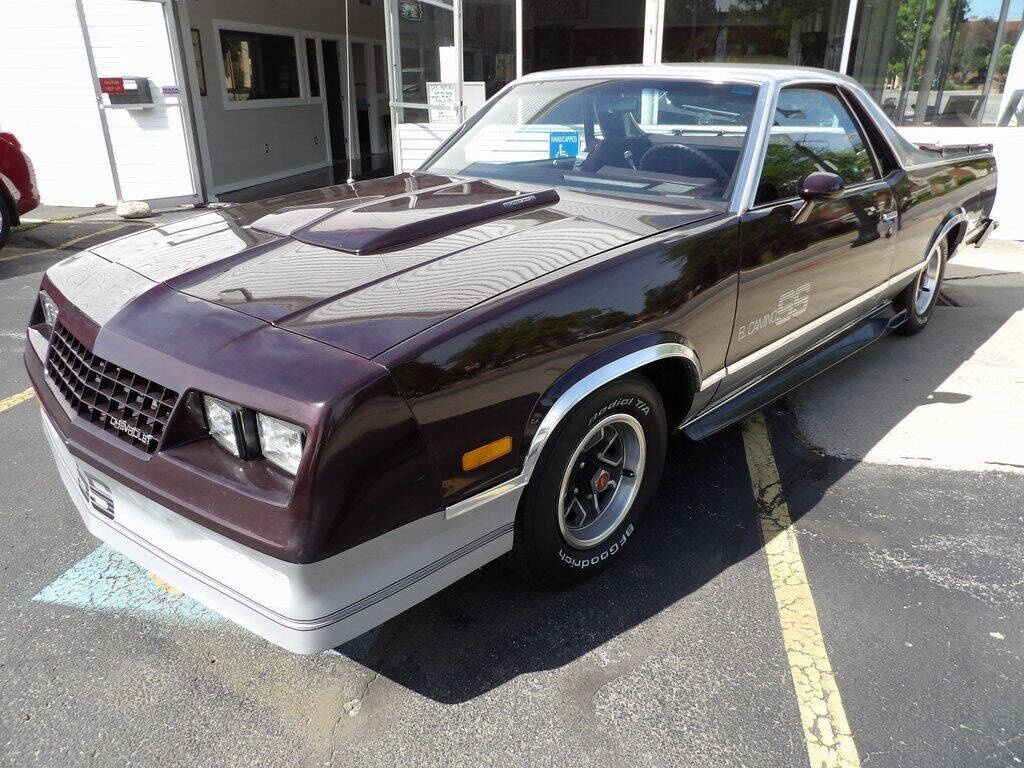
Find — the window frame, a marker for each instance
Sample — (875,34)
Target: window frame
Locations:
(298,42)
(836,91)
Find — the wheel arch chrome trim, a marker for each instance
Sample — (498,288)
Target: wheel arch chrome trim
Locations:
(960,217)
(568,400)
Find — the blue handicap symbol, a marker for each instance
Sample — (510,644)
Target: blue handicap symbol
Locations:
(563,144)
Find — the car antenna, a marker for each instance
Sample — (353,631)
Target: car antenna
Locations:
(348,98)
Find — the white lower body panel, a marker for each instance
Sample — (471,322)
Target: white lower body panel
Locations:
(305,608)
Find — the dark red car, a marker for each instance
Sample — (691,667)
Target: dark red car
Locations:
(312,412)
(18,191)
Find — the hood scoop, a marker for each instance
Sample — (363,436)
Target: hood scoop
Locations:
(403,219)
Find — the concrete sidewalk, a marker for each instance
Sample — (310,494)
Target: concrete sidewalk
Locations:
(951,397)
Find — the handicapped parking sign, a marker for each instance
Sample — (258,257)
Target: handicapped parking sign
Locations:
(563,144)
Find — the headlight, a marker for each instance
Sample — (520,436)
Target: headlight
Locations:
(224,422)
(281,442)
(49,308)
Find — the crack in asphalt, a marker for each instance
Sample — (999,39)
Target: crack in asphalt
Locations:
(352,707)
(975,277)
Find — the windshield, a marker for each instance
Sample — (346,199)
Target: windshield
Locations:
(672,139)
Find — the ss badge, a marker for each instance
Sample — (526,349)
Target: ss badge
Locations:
(97,494)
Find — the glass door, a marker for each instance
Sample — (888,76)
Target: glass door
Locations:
(423,43)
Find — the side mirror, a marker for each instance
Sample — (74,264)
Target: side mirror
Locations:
(815,187)
(821,185)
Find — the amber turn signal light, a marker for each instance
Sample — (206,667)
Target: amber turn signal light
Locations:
(485,453)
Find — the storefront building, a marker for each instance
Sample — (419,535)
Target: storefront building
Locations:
(250,97)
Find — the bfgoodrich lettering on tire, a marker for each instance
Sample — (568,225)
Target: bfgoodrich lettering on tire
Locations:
(596,477)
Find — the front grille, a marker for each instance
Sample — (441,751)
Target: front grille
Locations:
(121,402)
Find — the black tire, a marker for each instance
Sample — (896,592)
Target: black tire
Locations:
(912,300)
(542,553)
(6,220)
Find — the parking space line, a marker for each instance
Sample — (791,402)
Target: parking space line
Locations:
(826,730)
(13,400)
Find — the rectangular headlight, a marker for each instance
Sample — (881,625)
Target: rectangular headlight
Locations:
(223,422)
(280,442)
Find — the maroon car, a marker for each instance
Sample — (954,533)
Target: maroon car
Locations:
(312,412)
(18,191)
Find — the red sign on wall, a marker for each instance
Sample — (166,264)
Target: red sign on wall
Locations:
(112,85)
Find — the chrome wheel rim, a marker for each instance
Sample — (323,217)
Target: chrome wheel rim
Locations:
(601,480)
(928,281)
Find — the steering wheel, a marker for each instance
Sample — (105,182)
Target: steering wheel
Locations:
(702,157)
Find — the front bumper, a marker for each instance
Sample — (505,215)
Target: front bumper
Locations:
(305,608)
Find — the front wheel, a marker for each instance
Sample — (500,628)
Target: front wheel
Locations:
(592,485)
(920,297)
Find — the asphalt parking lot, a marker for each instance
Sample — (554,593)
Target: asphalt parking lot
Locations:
(884,626)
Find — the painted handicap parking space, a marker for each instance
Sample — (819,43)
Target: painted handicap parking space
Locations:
(107,581)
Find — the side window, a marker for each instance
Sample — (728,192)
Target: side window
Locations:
(812,131)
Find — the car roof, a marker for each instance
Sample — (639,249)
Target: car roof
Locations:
(757,73)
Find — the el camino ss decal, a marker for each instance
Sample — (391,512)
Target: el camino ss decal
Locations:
(791,304)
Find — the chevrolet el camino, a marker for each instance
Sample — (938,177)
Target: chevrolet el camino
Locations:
(312,412)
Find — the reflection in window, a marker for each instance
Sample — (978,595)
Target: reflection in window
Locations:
(670,139)
(423,31)
(942,62)
(802,32)
(579,33)
(812,131)
(489,43)
(259,66)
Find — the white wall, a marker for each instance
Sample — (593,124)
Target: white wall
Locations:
(1008,144)
(47,99)
(130,37)
(416,142)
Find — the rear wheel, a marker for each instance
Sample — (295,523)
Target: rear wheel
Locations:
(919,298)
(591,487)
(6,219)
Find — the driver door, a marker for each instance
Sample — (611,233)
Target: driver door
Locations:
(803,277)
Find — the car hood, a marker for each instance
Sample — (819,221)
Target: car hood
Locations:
(365,266)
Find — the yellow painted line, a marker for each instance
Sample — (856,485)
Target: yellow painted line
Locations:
(167,587)
(826,731)
(13,400)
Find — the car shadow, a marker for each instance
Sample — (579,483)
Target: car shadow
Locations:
(491,626)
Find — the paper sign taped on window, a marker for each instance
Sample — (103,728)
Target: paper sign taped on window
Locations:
(563,144)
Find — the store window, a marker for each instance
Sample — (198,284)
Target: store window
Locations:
(259,66)
(426,38)
(489,43)
(580,33)
(801,32)
(942,62)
